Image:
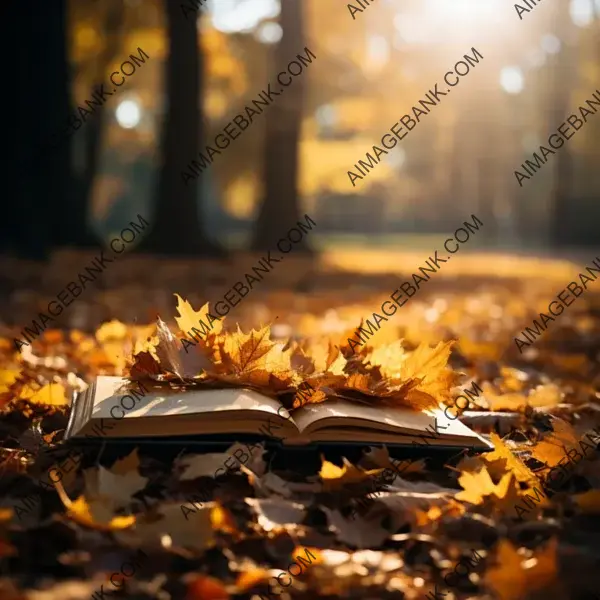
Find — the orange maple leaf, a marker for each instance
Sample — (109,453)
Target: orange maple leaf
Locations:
(502,461)
(515,576)
(241,352)
(554,445)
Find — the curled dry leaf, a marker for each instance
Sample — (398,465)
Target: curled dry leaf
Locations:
(167,350)
(144,366)
(186,363)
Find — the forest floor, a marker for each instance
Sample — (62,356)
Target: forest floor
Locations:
(437,531)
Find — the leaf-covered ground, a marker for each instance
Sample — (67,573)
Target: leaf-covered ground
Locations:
(521,522)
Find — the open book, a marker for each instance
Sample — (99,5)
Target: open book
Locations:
(114,408)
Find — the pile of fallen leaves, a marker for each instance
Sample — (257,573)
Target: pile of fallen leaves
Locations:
(515,531)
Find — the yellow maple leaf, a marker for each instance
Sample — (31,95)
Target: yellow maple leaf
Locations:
(502,461)
(389,357)
(334,477)
(327,359)
(515,576)
(430,367)
(52,394)
(189,320)
(478,485)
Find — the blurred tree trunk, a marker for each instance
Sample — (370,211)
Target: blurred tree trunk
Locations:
(38,157)
(175,229)
(280,208)
(560,92)
(94,132)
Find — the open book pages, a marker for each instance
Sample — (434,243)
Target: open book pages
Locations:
(122,409)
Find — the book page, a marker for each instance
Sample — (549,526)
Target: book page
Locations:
(137,401)
(448,427)
(404,418)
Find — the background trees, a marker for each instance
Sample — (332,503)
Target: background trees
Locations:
(205,68)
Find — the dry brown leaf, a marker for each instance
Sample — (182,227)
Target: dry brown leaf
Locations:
(115,487)
(195,466)
(184,530)
(356,533)
(183,361)
(144,366)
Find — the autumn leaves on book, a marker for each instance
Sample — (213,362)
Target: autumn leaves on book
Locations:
(301,391)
